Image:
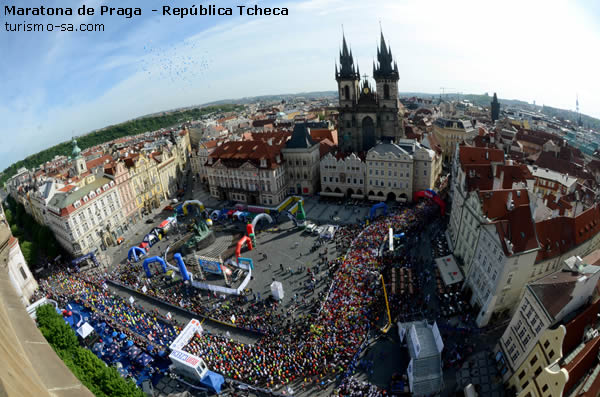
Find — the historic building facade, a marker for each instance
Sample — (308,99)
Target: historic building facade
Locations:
(368,114)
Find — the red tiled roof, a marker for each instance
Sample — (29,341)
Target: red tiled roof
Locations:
(325,146)
(210,144)
(559,235)
(587,224)
(511,174)
(97,162)
(519,229)
(234,154)
(582,363)
(536,140)
(577,326)
(67,188)
(261,122)
(479,176)
(319,134)
(469,155)
(550,161)
(555,236)
(494,202)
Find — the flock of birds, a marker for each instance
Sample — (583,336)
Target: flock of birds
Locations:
(182,63)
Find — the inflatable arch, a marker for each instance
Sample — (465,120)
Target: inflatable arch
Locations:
(238,249)
(377,206)
(431,194)
(192,202)
(259,217)
(246,261)
(136,253)
(148,261)
(182,269)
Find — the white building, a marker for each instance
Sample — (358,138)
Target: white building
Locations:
(302,154)
(86,218)
(12,258)
(251,172)
(391,171)
(505,250)
(342,176)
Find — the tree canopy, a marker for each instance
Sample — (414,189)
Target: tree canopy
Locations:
(132,127)
(100,379)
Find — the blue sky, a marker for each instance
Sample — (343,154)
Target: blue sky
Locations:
(59,84)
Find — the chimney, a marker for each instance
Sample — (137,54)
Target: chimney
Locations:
(510,204)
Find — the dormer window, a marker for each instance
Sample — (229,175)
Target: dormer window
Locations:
(263,163)
(98,191)
(112,183)
(105,187)
(85,199)
(92,195)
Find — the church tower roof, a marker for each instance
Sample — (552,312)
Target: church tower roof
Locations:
(76,152)
(385,67)
(347,68)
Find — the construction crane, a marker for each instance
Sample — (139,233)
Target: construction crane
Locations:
(443,89)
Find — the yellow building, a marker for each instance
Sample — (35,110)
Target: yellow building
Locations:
(146,182)
(538,375)
(556,362)
(449,132)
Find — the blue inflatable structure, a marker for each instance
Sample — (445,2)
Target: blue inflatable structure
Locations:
(213,381)
(182,269)
(133,253)
(152,260)
(373,212)
(247,261)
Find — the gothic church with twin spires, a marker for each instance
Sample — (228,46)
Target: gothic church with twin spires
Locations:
(368,114)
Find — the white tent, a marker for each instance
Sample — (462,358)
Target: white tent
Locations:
(85,330)
(277,290)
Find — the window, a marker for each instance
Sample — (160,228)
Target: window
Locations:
(522,374)
(533,360)
(23,274)
(538,371)
(546,344)
(551,354)
(545,388)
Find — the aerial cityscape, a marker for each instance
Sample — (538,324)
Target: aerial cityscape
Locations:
(372,240)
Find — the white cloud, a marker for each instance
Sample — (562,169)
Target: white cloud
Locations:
(529,50)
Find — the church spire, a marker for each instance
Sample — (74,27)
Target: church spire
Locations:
(347,68)
(385,68)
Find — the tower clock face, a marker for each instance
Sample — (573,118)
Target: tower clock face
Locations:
(366,90)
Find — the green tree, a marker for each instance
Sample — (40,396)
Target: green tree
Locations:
(101,380)
(28,251)
(9,216)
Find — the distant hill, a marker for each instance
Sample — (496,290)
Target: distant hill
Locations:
(132,127)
